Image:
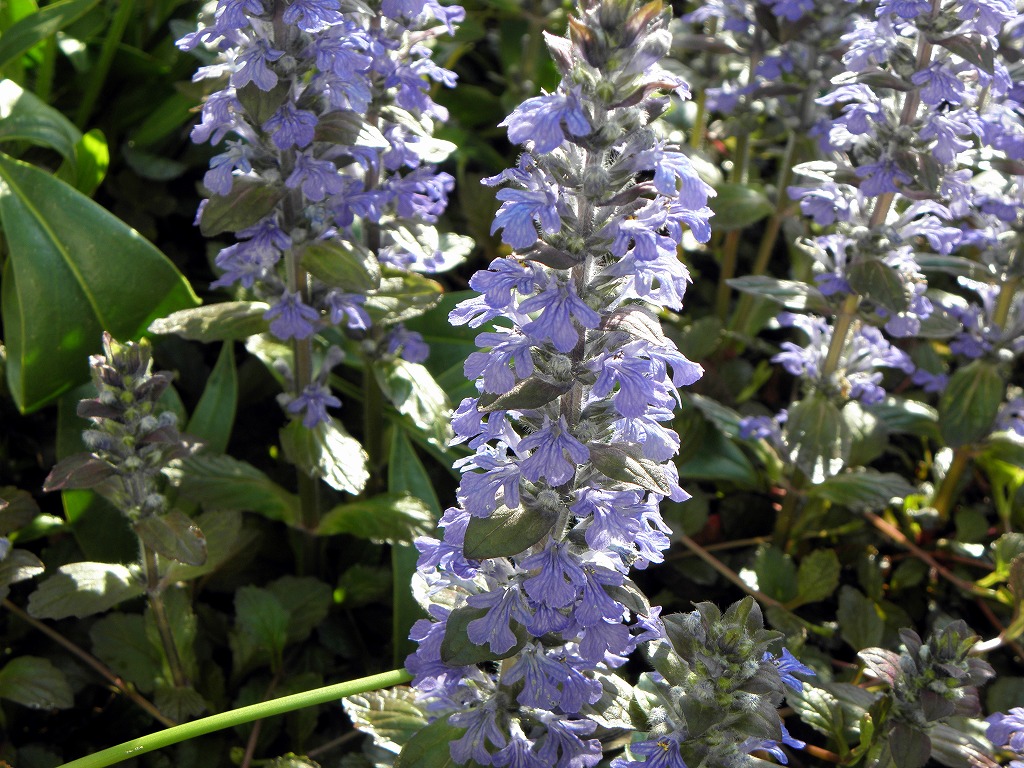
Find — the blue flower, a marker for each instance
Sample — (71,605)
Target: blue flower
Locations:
(518,211)
(662,752)
(540,120)
(291,319)
(314,400)
(481,724)
(550,445)
(559,306)
(290,126)
(788,666)
(252,66)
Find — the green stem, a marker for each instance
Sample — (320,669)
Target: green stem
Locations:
(373,427)
(844,321)
(163,625)
(730,248)
(98,74)
(786,520)
(46,69)
(700,119)
(945,497)
(179,733)
(1006,295)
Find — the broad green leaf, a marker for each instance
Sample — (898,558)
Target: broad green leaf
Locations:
(818,575)
(791,294)
(971,49)
(905,415)
(627,464)
(92,158)
(17,509)
(174,536)
(119,641)
(863,489)
(970,402)
(262,619)
(214,414)
(73,271)
(415,395)
(363,585)
(860,621)
(82,589)
(225,537)
(226,321)
(878,283)
(247,202)
(720,459)
(816,436)
(457,650)
(506,532)
(223,483)
(909,746)
(739,205)
(307,600)
(776,574)
(179,704)
(36,683)
(329,452)
(612,709)
(391,716)
(388,517)
(18,565)
(429,747)
(401,297)
(533,392)
(26,117)
(348,266)
(32,29)
(818,708)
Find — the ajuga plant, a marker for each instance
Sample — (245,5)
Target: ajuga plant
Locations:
(529,594)
(328,181)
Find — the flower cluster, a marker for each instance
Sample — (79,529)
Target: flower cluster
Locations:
(132,438)
(327,174)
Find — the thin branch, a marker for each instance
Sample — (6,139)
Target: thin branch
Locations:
(726,571)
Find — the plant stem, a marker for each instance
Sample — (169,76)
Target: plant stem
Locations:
(700,119)
(46,69)
(98,74)
(91,661)
(947,493)
(240,716)
(373,428)
(163,625)
(786,520)
(844,321)
(726,571)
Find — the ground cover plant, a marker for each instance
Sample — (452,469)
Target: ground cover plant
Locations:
(401,384)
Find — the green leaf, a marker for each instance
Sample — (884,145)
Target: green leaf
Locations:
(175,536)
(18,565)
(227,321)
(36,683)
(329,452)
(224,483)
(739,205)
(971,49)
(506,532)
(34,28)
(89,167)
(401,297)
(860,621)
(225,537)
(415,394)
(819,708)
(791,294)
(720,459)
(878,283)
(776,574)
(26,117)
(307,600)
(816,436)
(214,414)
(818,576)
(627,464)
(908,416)
(247,202)
(17,509)
(179,704)
(970,402)
(392,717)
(533,392)
(429,748)
(74,270)
(263,619)
(350,266)
(863,489)
(457,650)
(363,585)
(119,641)
(910,747)
(612,709)
(82,589)
(387,517)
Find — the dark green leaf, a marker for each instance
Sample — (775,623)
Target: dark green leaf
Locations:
(119,641)
(225,537)
(261,105)
(25,117)
(226,321)
(818,708)
(816,436)
(400,298)
(719,459)
(363,585)
(175,536)
(429,747)
(910,747)
(863,489)
(627,464)
(860,621)
(973,50)
(73,271)
(506,532)
(739,205)
(970,402)
(17,508)
(878,283)
(179,704)
(612,709)
(818,575)
(349,129)
(905,415)
(342,264)
(36,27)
(247,202)
(881,79)
(533,392)
(307,600)
(789,293)
(776,574)
(261,615)
(391,716)
(89,168)
(214,414)
(82,589)
(36,683)
(329,452)
(19,565)
(388,517)
(457,650)
(224,483)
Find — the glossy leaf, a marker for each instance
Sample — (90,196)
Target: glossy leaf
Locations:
(329,452)
(246,203)
(226,321)
(817,438)
(415,394)
(457,650)
(214,414)
(533,392)
(391,716)
(82,589)
(878,283)
(74,270)
(25,117)
(970,403)
(175,536)
(863,489)
(789,293)
(349,266)
(429,747)
(226,536)
(36,683)
(401,297)
(627,463)
(739,205)
(818,575)
(119,640)
(388,517)
(224,483)
(36,27)
(506,532)
(307,600)
(261,616)
(860,622)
